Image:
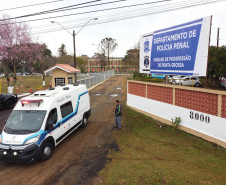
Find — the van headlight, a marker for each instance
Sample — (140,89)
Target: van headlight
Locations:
(32,140)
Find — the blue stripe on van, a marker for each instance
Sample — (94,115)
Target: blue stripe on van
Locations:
(68,117)
(40,132)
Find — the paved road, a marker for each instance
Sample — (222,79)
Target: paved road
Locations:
(81,155)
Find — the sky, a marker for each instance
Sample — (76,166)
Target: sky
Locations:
(126,31)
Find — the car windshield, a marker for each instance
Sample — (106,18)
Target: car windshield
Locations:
(25,120)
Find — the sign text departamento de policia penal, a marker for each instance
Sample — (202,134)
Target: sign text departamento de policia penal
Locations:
(181,49)
(166,46)
(175,49)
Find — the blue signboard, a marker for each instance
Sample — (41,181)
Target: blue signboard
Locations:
(175,50)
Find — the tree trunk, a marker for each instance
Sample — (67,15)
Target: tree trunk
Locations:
(23,70)
(14,74)
(7,72)
(104,64)
(43,78)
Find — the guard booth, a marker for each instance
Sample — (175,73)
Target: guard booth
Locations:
(62,74)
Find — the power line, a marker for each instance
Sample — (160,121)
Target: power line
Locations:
(102,17)
(119,14)
(30,5)
(152,10)
(107,9)
(63,9)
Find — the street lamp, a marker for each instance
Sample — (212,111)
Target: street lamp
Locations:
(74,34)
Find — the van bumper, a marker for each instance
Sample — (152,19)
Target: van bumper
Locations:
(18,154)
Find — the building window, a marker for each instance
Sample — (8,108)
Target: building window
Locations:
(59,81)
(70,80)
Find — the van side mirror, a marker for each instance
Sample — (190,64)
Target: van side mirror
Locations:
(50,125)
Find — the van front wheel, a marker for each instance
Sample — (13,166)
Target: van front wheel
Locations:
(84,121)
(46,151)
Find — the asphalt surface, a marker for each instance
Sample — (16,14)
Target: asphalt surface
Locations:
(78,158)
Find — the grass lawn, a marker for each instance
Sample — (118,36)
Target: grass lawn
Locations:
(34,82)
(149,154)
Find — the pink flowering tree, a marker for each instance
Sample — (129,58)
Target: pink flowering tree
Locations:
(17,47)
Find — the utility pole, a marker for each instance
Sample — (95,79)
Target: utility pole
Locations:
(108,56)
(218,37)
(74,40)
(74,55)
(208,51)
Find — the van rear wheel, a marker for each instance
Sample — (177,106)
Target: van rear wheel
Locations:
(84,121)
(46,151)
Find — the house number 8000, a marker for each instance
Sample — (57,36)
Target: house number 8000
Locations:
(200,117)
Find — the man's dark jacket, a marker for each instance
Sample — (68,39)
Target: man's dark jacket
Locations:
(118,110)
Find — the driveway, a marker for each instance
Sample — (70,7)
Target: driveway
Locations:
(78,158)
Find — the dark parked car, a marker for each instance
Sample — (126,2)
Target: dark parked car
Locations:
(7,100)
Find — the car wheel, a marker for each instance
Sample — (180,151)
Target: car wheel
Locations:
(9,104)
(46,151)
(197,84)
(84,121)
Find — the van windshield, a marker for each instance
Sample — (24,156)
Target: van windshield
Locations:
(25,121)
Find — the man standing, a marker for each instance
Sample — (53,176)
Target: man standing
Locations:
(118,114)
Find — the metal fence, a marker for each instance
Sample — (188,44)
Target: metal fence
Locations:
(91,79)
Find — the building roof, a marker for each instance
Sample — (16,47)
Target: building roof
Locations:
(64,67)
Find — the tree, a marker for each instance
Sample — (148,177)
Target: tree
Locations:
(17,46)
(81,64)
(132,56)
(64,58)
(107,45)
(217,63)
(101,58)
(47,61)
(67,59)
(62,50)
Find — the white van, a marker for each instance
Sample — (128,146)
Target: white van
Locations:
(39,122)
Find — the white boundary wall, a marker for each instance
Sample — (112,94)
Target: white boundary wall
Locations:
(212,126)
